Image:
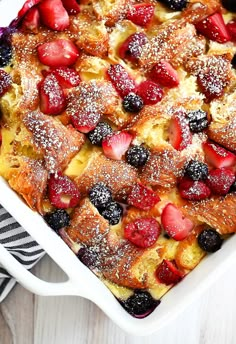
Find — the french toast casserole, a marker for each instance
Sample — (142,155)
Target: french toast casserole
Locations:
(118,126)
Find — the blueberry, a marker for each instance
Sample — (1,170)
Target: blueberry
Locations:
(233,62)
(230,5)
(196,170)
(233,187)
(99,133)
(210,240)
(100,195)
(176,5)
(112,212)
(58,219)
(88,257)
(132,103)
(5,52)
(198,120)
(140,304)
(137,156)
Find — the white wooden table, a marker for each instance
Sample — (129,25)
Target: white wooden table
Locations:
(30,319)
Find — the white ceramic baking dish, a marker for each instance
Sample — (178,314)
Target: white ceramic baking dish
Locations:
(81,281)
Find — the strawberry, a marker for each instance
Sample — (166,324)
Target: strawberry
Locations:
(5,82)
(218,156)
(85,122)
(150,92)
(179,132)
(214,28)
(142,197)
(27,6)
(67,77)
(164,74)
(142,232)
(168,273)
(141,14)
(193,190)
(220,180)
(63,192)
(31,20)
(131,48)
(54,15)
(121,80)
(58,53)
(52,99)
(231,27)
(211,85)
(174,223)
(71,6)
(115,145)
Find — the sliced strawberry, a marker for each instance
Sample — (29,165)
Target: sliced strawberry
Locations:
(142,232)
(164,74)
(54,15)
(231,26)
(211,85)
(214,28)
(179,132)
(85,122)
(141,14)
(60,52)
(5,82)
(150,92)
(131,48)
(115,145)
(27,5)
(218,156)
(63,192)
(71,6)
(174,223)
(67,77)
(142,197)
(121,80)
(52,99)
(220,180)
(31,20)
(193,190)
(168,273)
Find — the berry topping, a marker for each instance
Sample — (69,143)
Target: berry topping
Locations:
(88,257)
(211,84)
(218,156)
(230,5)
(63,193)
(233,62)
(210,240)
(52,99)
(5,82)
(121,80)
(179,132)
(137,156)
(27,5)
(176,5)
(58,219)
(57,53)
(196,170)
(54,15)
(67,77)
(141,14)
(220,180)
(5,52)
(71,6)
(140,304)
(115,145)
(142,232)
(31,20)
(112,212)
(231,26)
(100,195)
(150,92)
(85,122)
(214,28)
(142,197)
(198,120)
(131,48)
(194,190)
(233,187)
(164,74)
(132,103)
(99,133)
(174,223)
(168,273)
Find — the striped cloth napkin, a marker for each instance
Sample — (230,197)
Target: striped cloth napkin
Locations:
(19,243)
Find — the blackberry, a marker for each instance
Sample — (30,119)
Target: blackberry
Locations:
(196,170)
(210,240)
(198,120)
(176,5)
(87,257)
(58,219)
(99,133)
(112,212)
(233,62)
(230,5)
(137,156)
(132,103)
(100,195)
(233,187)
(140,304)
(5,53)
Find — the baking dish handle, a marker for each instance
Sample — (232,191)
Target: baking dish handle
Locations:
(33,283)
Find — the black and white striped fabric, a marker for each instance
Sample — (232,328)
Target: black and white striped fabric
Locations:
(19,243)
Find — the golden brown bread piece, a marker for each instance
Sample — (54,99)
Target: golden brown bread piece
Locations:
(197,10)
(58,143)
(224,134)
(110,11)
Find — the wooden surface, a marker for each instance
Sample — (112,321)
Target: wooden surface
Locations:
(29,319)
